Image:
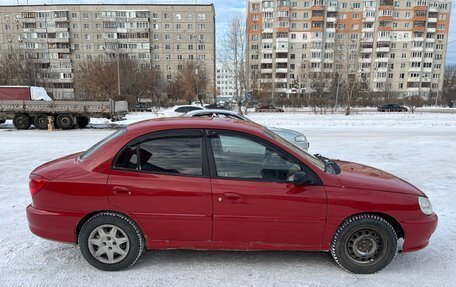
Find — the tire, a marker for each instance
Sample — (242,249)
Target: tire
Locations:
(364,244)
(65,121)
(128,241)
(21,121)
(41,121)
(82,122)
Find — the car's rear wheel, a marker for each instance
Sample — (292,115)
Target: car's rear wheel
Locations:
(111,241)
(364,244)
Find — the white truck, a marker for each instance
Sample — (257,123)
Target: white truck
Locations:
(28,106)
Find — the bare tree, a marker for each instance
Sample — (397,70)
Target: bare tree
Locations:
(449,85)
(97,79)
(16,68)
(232,56)
(190,83)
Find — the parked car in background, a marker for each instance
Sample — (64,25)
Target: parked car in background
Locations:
(292,136)
(216,107)
(392,108)
(141,108)
(211,183)
(177,111)
(268,109)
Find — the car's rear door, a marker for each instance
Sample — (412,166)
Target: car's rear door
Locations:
(163,180)
(253,198)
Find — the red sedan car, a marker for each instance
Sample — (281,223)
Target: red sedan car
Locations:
(210,183)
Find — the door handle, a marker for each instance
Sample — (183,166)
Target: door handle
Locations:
(232,195)
(121,190)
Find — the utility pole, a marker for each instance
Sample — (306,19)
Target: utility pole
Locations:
(337,92)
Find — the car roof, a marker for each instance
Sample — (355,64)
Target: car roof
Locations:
(194,123)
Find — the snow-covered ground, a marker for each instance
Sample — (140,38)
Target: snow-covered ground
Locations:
(420,148)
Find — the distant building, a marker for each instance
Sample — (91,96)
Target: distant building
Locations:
(226,89)
(59,37)
(395,46)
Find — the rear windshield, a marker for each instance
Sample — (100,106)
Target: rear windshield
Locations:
(91,150)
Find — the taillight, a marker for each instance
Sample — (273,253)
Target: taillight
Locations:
(36,183)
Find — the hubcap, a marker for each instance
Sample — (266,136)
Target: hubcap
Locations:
(366,246)
(108,244)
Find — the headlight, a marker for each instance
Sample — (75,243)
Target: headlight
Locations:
(425,205)
(300,138)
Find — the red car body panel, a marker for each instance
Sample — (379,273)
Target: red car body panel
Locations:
(175,211)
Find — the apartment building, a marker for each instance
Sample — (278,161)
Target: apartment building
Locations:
(59,37)
(226,88)
(395,46)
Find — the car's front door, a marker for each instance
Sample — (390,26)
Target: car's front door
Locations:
(254,200)
(163,180)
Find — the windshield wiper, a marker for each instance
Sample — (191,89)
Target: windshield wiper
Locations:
(328,163)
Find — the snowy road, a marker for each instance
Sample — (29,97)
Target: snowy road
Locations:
(420,148)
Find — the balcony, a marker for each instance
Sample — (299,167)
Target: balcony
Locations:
(265,80)
(281,60)
(381,60)
(332,8)
(427,70)
(379,80)
(266,71)
(58,40)
(416,59)
(418,39)
(266,61)
(331,30)
(331,19)
(432,20)
(366,50)
(431,50)
(385,18)
(370,29)
(318,7)
(281,80)
(368,19)
(382,70)
(315,60)
(430,30)
(414,69)
(433,9)
(365,60)
(417,49)
(281,70)
(330,40)
(413,79)
(384,39)
(430,40)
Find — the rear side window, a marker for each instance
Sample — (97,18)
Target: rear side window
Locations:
(91,150)
(174,155)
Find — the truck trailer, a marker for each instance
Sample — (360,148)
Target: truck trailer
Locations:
(28,106)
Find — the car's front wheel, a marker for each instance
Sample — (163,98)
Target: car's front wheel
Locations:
(111,241)
(364,244)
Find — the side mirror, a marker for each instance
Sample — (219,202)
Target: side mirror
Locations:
(301,178)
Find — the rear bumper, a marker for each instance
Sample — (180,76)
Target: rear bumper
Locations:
(418,233)
(58,226)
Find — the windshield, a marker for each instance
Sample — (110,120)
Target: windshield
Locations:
(88,152)
(315,161)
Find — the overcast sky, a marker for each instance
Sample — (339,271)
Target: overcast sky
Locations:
(224,10)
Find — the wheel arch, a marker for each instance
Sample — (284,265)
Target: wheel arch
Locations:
(84,219)
(390,219)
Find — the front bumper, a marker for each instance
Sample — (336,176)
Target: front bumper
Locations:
(418,232)
(58,226)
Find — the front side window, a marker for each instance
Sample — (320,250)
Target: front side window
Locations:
(237,156)
(173,155)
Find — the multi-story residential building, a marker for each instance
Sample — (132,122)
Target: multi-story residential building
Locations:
(58,37)
(226,88)
(395,46)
